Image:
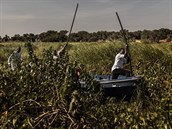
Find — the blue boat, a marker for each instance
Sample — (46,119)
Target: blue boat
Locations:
(120,88)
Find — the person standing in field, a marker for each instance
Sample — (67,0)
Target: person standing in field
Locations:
(55,56)
(62,50)
(60,53)
(117,68)
(14,60)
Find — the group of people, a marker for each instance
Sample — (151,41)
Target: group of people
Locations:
(14,60)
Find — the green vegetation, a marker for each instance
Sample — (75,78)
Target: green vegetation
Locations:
(147,36)
(48,94)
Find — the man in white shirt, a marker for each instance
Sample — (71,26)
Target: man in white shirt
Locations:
(117,68)
(14,60)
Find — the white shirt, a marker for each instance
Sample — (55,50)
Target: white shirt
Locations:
(119,61)
(55,57)
(14,60)
(15,57)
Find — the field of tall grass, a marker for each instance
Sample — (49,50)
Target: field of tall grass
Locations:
(55,100)
(94,55)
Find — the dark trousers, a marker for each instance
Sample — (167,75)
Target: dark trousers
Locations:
(117,72)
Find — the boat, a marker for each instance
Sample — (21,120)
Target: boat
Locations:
(122,87)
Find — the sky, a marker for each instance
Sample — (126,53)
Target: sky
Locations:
(37,16)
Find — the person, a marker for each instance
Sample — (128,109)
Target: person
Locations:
(62,50)
(55,56)
(117,68)
(60,53)
(14,60)
(80,70)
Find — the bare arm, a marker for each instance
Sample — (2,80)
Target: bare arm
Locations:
(62,50)
(9,59)
(126,51)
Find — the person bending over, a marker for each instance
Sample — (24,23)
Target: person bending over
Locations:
(118,66)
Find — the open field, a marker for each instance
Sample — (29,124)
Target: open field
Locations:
(48,96)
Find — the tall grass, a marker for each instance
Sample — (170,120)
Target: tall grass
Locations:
(152,61)
(151,110)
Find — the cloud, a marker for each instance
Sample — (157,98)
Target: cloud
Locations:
(103,1)
(19,17)
(25,16)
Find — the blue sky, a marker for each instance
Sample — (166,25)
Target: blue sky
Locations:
(36,16)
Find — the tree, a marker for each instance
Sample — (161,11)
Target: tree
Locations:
(155,36)
(163,33)
(135,35)
(145,35)
(84,36)
(169,38)
(74,37)
(16,37)
(0,39)
(62,37)
(49,36)
(6,38)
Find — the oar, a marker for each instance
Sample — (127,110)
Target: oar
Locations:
(126,42)
(62,50)
(68,39)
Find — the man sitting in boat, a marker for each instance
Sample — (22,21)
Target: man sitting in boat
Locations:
(120,59)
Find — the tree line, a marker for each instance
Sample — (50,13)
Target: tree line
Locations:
(147,36)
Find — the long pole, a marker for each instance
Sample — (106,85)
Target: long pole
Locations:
(68,39)
(126,42)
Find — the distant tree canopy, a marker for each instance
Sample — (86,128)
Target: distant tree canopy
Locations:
(147,36)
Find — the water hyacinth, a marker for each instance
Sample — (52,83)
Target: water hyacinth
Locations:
(48,94)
